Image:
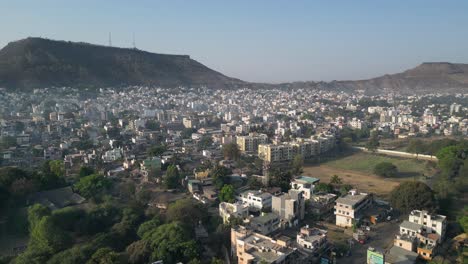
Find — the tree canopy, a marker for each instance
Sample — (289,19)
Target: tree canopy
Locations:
(386,169)
(92,186)
(412,195)
(226,194)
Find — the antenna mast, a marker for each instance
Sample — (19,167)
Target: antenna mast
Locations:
(134,46)
(110,39)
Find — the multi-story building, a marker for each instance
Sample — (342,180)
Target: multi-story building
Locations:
(311,239)
(350,207)
(250,143)
(265,223)
(289,206)
(305,184)
(233,210)
(421,233)
(306,147)
(256,199)
(249,247)
(436,224)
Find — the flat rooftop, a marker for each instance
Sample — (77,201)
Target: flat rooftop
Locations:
(410,225)
(307,179)
(351,200)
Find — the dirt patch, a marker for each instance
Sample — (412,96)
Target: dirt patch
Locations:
(362,181)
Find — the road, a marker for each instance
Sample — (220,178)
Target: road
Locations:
(380,237)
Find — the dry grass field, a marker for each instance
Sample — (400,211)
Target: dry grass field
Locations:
(357,170)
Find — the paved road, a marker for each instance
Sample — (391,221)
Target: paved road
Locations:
(381,237)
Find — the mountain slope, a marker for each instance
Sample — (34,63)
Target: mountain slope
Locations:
(37,62)
(427,77)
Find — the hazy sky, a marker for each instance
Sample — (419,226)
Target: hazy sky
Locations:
(271,41)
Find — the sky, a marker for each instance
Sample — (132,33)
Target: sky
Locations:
(259,40)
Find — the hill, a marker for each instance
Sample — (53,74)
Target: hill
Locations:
(38,62)
(429,77)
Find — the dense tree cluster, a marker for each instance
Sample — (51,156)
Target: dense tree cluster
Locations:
(386,169)
(412,195)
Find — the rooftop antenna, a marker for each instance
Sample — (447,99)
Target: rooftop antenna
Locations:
(110,39)
(134,46)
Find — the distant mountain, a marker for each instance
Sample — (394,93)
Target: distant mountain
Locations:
(38,62)
(427,77)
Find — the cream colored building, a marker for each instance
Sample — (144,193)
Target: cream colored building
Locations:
(286,151)
(250,143)
(351,207)
(235,210)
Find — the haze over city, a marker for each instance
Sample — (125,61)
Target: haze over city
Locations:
(233,132)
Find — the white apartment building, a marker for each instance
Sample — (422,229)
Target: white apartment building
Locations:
(256,199)
(305,184)
(351,207)
(236,210)
(435,223)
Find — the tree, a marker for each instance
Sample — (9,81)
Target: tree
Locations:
(386,169)
(185,211)
(172,177)
(57,167)
(92,186)
(231,151)
(85,171)
(463,220)
(297,164)
(373,142)
(324,187)
(105,256)
(219,174)
(280,179)
(412,195)
(158,150)
(138,252)
(152,125)
(187,133)
(36,213)
(227,193)
(217,261)
(171,243)
(7,142)
(148,226)
(335,179)
(206,141)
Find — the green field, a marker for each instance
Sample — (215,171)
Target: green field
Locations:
(365,162)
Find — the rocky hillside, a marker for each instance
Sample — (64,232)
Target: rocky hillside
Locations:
(37,62)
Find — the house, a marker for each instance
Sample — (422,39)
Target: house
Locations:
(256,199)
(249,247)
(265,223)
(305,184)
(350,207)
(289,206)
(421,233)
(236,210)
(311,239)
(431,223)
